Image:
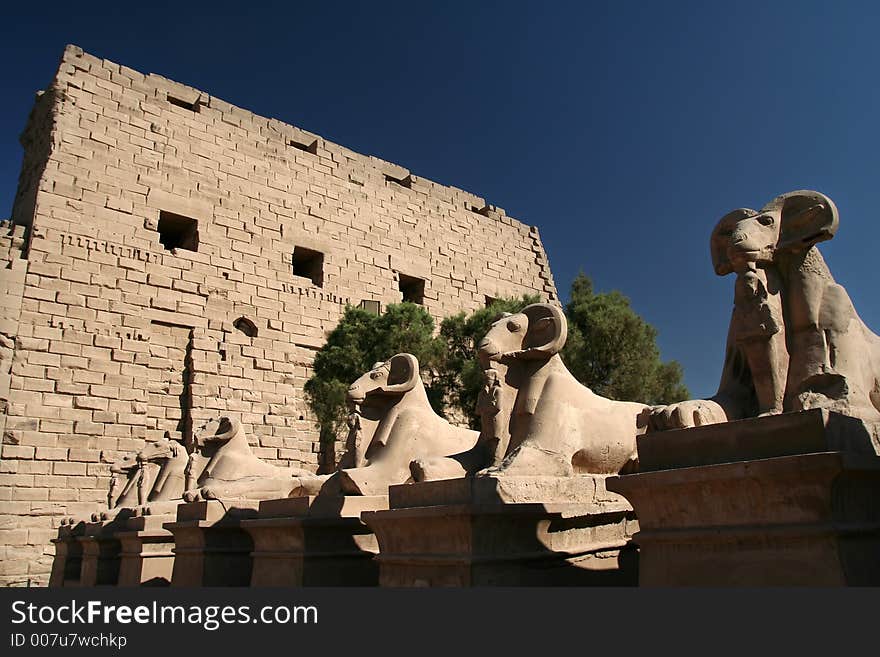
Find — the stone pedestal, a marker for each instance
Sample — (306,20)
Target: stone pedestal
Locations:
(67,565)
(792,499)
(314,541)
(101,550)
(505,531)
(210,546)
(147,556)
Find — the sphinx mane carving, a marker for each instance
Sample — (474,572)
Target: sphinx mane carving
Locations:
(795,340)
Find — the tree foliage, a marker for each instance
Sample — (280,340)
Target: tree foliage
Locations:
(459,374)
(613,351)
(359,341)
(609,349)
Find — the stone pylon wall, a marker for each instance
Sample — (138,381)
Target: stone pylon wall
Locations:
(118,338)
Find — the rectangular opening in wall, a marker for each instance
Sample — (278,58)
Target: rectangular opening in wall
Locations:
(370,306)
(489,301)
(307,146)
(309,264)
(403,182)
(179,102)
(178,232)
(412,289)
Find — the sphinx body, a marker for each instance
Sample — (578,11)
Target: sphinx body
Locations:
(233,471)
(557,426)
(392,424)
(798,342)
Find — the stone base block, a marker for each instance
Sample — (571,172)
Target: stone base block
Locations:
(505,531)
(759,502)
(314,541)
(147,555)
(67,564)
(211,548)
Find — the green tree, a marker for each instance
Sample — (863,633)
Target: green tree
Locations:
(613,351)
(459,374)
(359,340)
(609,348)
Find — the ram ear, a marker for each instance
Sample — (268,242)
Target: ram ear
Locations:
(547,330)
(806,218)
(721,236)
(403,374)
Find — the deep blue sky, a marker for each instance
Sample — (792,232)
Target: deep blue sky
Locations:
(623,129)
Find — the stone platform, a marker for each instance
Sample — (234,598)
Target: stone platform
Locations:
(211,548)
(505,531)
(792,499)
(101,549)
(67,564)
(147,556)
(314,541)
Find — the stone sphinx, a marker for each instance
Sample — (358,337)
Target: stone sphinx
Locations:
(538,420)
(231,469)
(795,340)
(403,428)
(171,458)
(125,477)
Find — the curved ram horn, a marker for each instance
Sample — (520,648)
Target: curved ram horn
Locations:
(545,311)
(806,217)
(403,375)
(234,426)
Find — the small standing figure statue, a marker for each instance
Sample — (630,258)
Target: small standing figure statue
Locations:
(494,428)
(111,491)
(758,321)
(141,484)
(355,437)
(189,472)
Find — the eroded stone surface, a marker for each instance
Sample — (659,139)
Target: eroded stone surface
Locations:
(114,331)
(795,340)
(773,501)
(556,425)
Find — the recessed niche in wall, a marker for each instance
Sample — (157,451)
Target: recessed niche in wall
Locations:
(178,232)
(246,326)
(406,181)
(489,301)
(412,289)
(309,264)
(179,102)
(370,306)
(307,146)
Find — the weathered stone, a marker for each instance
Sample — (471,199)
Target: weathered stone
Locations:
(126,283)
(795,340)
(774,501)
(210,546)
(314,541)
(505,531)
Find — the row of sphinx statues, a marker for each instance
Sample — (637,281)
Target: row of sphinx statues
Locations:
(795,342)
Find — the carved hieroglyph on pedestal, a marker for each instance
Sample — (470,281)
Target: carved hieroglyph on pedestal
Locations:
(795,340)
